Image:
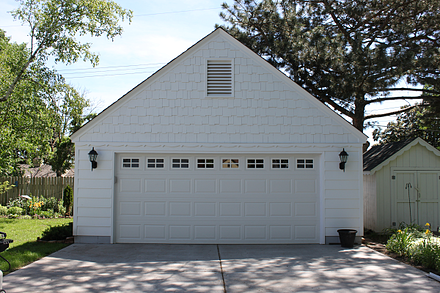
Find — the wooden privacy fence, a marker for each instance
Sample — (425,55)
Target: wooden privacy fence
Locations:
(40,186)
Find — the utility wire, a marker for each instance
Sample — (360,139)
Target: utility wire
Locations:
(148,14)
(116,67)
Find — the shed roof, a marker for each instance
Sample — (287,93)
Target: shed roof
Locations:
(381,152)
(376,157)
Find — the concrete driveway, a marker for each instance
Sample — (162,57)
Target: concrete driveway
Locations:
(212,268)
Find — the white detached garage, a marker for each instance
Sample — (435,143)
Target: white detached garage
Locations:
(217,147)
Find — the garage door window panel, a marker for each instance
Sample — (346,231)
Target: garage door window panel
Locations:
(205,163)
(255,164)
(177,163)
(230,163)
(130,163)
(280,163)
(305,164)
(155,163)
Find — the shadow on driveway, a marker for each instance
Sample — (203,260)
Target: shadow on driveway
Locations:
(197,268)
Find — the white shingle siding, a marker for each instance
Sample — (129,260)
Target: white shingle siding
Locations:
(171,113)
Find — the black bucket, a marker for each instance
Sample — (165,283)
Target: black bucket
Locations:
(347,237)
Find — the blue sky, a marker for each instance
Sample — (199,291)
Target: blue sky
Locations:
(160,31)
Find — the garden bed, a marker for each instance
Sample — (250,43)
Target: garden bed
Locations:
(378,242)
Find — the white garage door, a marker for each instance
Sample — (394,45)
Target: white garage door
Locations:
(216,199)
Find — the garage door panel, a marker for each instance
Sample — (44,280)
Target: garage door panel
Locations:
(281,186)
(180,186)
(254,232)
(230,232)
(305,209)
(180,232)
(205,209)
(280,209)
(130,208)
(280,232)
(255,209)
(305,186)
(155,186)
(205,186)
(255,186)
(180,209)
(230,185)
(230,209)
(216,206)
(130,185)
(203,232)
(155,208)
(155,232)
(305,232)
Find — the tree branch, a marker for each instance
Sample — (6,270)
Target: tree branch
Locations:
(338,23)
(390,113)
(379,100)
(408,89)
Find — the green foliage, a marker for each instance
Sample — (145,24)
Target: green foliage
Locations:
(426,252)
(417,244)
(68,198)
(17,202)
(3,210)
(25,249)
(60,232)
(55,26)
(5,186)
(348,54)
(400,241)
(420,121)
(38,108)
(37,207)
(15,211)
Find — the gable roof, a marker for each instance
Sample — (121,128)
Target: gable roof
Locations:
(349,128)
(379,155)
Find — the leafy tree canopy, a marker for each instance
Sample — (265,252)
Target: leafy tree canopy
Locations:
(420,121)
(38,114)
(348,54)
(55,26)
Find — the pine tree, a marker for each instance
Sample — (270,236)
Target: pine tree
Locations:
(348,54)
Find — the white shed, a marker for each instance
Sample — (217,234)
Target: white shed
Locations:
(218,146)
(401,185)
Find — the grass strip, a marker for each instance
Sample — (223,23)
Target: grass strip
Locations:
(25,249)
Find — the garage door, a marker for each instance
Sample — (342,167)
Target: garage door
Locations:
(178,198)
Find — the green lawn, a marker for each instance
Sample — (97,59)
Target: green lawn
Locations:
(25,248)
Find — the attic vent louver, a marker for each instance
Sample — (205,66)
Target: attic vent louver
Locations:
(219,82)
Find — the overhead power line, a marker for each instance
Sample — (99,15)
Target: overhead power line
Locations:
(146,14)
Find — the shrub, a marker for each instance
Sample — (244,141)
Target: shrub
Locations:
(400,241)
(60,232)
(68,198)
(17,202)
(3,210)
(46,214)
(426,251)
(15,211)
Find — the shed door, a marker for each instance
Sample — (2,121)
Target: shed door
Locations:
(416,198)
(187,198)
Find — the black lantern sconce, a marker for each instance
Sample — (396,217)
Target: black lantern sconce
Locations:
(343,156)
(92,157)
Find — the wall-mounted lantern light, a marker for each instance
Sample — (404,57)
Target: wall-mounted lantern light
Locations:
(343,156)
(92,157)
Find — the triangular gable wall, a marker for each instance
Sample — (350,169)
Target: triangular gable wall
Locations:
(171,106)
(407,148)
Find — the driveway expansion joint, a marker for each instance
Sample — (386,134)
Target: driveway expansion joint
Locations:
(221,268)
